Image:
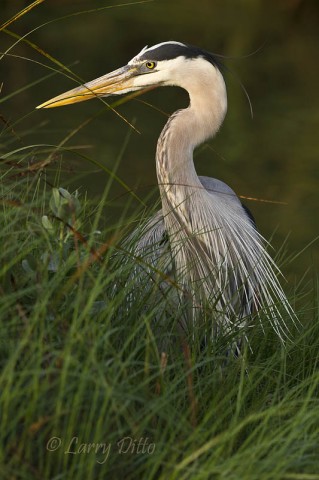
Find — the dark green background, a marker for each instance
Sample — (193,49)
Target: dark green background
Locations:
(273,156)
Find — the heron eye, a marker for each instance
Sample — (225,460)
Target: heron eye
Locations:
(150,65)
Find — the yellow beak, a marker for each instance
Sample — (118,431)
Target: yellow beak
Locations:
(117,82)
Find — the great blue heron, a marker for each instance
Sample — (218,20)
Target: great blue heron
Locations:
(219,257)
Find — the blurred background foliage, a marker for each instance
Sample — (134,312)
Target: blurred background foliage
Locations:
(272,47)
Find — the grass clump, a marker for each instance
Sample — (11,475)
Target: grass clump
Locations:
(87,393)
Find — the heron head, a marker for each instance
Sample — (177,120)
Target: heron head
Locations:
(168,63)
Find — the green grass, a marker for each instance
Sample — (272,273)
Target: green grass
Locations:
(85,390)
(81,363)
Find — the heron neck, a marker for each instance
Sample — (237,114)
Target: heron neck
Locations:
(185,130)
